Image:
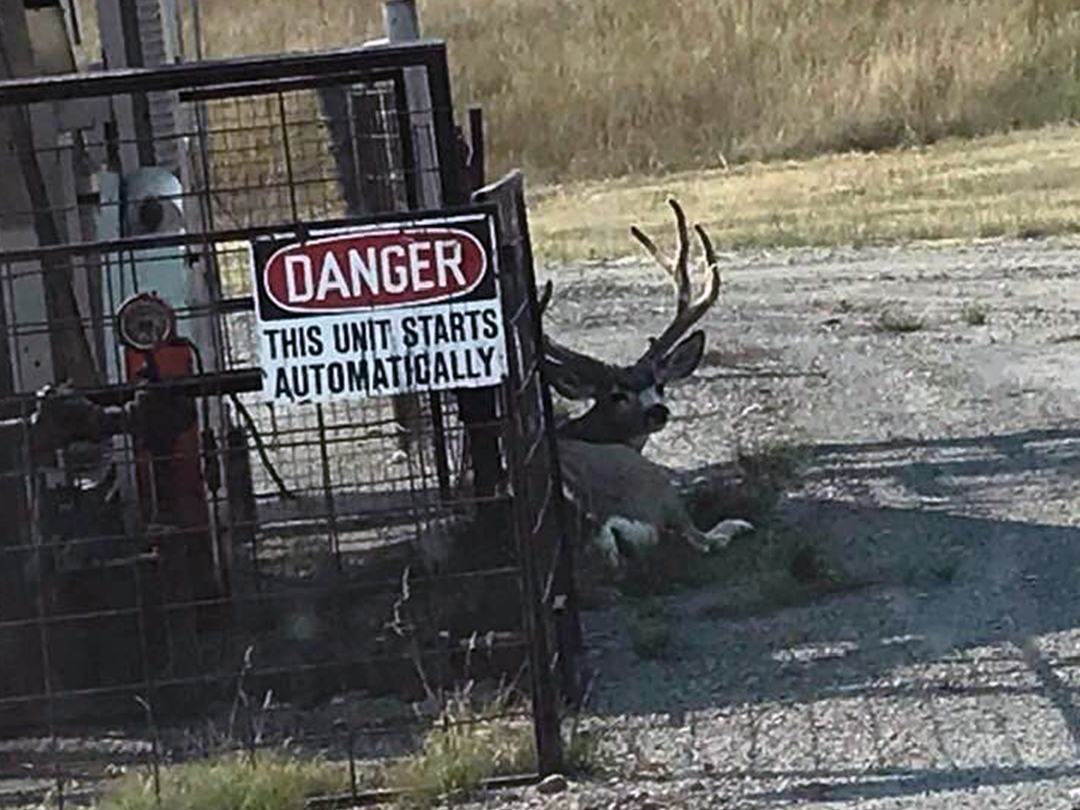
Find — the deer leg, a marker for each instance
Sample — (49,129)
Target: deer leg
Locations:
(620,538)
(608,546)
(719,536)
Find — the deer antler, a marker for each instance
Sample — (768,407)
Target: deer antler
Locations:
(576,373)
(687,312)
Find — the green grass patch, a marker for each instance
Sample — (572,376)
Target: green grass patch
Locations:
(458,757)
(975,314)
(234,782)
(899,321)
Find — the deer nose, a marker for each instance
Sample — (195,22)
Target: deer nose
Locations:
(656,417)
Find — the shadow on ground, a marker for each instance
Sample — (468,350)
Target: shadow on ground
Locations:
(943,600)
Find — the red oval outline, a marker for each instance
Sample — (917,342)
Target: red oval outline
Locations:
(352,235)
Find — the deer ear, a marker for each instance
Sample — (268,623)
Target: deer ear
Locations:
(681,361)
(573,374)
(568,384)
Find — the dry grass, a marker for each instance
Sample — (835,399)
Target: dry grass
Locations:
(1019,184)
(607,87)
(601,88)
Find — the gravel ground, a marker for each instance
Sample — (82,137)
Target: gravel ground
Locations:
(942,469)
(940,475)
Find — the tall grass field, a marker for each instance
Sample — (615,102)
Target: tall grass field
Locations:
(597,88)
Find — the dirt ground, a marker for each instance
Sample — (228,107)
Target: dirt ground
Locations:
(935,392)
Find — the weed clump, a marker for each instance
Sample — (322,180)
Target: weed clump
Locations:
(463,750)
(900,322)
(271,781)
(975,314)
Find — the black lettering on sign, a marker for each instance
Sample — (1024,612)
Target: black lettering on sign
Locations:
(491,324)
(314,340)
(408,329)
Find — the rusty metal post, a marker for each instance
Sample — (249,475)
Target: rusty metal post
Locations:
(401,21)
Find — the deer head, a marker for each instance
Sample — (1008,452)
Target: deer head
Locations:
(628,400)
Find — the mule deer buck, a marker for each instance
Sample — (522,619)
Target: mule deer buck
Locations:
(629,498)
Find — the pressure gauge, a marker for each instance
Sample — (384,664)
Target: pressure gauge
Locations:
(145,322)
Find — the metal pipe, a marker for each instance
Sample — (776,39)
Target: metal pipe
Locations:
(400,20)
(217,72)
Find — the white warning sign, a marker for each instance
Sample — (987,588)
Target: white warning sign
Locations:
(379,310)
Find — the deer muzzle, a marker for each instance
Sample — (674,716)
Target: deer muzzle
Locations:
(656,417)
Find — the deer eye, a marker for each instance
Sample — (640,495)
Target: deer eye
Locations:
(660,389)
(620,397)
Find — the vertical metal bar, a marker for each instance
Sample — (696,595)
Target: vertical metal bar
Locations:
(217,332)
(166,615)
(546,724)
(295,208)
(564,573)
(328,485)
(413,195)
(206,209)
(15,346)
(442,114)
(341,629)
(196,23)
(406,26)
(405,135)
(206,206)
(351,113)
(44,576)
(202,128)
(402,24)
(354,784)
(12,498)
(400,20)
(7,378)
(477,150)
(87,200)
(545,704)
(148,678)
(140,103)
(438,429)
(59,774)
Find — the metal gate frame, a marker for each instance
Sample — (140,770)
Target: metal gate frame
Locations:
(521,461)
(539,508)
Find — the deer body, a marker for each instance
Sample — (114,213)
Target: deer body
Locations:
(598,479)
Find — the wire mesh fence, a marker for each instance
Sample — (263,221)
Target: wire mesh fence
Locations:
(195,568)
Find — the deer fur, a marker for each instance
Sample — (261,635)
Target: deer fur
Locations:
(633,502)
